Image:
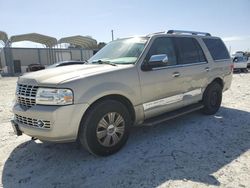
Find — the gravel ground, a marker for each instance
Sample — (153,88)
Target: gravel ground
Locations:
(190,151)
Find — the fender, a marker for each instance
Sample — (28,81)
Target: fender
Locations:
(109,88)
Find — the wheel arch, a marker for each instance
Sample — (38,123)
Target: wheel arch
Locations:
(219,81)
(215,80)
(117,97)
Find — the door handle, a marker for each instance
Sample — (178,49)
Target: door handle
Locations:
(207,69)
(176,74)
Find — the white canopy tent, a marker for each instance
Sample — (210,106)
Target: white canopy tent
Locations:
(35,37)
(82,41)
(15,60)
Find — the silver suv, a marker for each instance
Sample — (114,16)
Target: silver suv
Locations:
(132,81)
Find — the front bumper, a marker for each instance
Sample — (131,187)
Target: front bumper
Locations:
(64,121)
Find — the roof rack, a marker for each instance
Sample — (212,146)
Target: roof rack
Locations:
(188,32)
(160,32)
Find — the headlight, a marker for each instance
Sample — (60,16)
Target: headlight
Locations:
(50,96)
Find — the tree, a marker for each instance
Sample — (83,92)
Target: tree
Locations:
(101,45)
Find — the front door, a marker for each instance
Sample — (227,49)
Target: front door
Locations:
(162,87)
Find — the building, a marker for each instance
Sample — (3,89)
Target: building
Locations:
(14,61)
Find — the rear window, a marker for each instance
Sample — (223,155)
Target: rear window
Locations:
(217,49)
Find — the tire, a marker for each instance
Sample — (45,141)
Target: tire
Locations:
(212,98)
(105,129)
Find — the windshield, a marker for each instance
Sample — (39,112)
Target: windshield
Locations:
(122,51)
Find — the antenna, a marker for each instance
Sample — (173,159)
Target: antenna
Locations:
(112,34)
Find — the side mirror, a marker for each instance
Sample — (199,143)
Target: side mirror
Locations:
(160,58)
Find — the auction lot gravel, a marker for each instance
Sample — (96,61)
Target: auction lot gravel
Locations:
(191,151)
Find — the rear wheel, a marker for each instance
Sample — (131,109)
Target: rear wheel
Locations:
(212,98)
(105,130)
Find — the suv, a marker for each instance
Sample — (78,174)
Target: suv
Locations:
(132,81)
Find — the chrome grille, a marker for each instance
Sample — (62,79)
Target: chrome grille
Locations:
(32,122)
(26,95)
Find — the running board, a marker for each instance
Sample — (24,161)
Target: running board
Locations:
(172,115)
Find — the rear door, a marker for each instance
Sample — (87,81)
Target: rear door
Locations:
(193,67)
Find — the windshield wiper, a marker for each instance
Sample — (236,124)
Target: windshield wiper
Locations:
(104,62)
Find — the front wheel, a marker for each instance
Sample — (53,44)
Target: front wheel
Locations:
(212,98)
(105,129)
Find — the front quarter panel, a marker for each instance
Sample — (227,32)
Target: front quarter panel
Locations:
(123,82)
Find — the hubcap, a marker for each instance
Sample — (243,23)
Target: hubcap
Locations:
(110,129)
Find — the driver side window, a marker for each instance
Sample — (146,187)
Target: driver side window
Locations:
(163,45)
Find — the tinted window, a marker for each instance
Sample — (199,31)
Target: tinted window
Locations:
(217,49)
(163,45)
(200,51)
(189,51)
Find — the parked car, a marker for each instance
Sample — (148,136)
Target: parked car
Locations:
(132,81)
(240,64)
(65,63)
(34,67)
(248,62)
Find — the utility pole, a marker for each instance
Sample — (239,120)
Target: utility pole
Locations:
(112,34)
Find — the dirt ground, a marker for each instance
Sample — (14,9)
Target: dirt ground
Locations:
(191,151)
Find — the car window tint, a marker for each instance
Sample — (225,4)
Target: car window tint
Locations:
(202,57)
(163,45)
(216,48)
(188,51)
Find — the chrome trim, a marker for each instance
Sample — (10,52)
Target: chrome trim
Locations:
(26,95)
(110,129)
(176,74)
(180,65)
(207,69)
(193,92)
(163,102)
(42,124)
(171,99)
(219,60)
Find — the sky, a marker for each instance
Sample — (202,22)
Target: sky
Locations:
(228,19)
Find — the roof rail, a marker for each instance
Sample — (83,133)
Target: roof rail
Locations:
(160,32)
(188,32)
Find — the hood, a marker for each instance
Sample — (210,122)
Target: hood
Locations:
(62,74)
